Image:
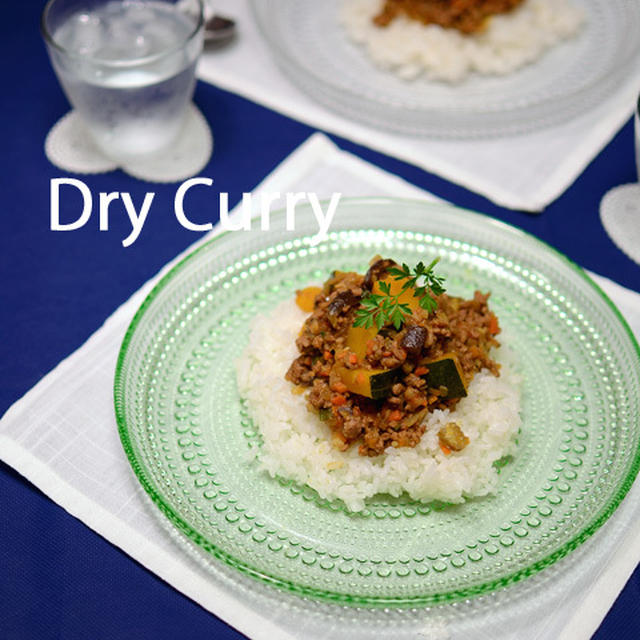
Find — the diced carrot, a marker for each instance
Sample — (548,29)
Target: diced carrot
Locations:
(420,371)
(327,355)
(338,400)
(305,298)
(445,449)
(370,345)
(340,387)
(395,416)
(494,327)
(353,358)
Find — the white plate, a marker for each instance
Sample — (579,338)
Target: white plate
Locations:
(316,53)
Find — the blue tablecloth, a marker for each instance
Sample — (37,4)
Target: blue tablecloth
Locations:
(58,579)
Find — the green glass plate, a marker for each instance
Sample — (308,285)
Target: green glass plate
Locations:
(189,439)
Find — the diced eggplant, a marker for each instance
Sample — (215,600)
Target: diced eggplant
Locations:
(414,340)
(376,272)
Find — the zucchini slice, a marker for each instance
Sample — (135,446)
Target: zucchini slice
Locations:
(306,298)
(357,339)
(372,383)
(395,287)
(446,371)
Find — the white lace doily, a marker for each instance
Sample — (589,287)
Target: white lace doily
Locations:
(70,148)
(620,216)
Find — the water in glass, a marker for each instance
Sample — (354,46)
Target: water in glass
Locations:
(129,71)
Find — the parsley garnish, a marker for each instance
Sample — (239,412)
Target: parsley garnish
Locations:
(384,308)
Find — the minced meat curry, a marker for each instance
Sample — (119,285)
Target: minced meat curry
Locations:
(375,385)
(467,16)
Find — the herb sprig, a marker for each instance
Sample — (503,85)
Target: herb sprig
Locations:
(384,308)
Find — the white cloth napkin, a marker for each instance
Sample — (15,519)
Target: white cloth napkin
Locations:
(62,436)
(522,172)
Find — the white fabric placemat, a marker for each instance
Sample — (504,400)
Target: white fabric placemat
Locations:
(521,172)
(62,436)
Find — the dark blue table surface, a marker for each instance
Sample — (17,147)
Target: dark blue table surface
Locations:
(59,579)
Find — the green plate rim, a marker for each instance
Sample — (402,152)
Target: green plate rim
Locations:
(331,596)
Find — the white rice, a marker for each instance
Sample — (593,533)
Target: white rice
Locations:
(297,444)
(509,42)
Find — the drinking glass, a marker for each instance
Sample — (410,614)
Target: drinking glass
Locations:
(127,67)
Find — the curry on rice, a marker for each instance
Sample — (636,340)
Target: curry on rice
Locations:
(467,16)
(375,384)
